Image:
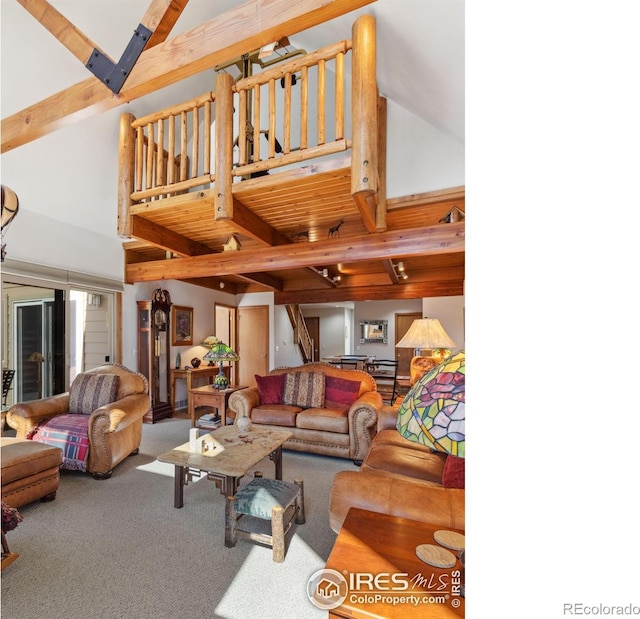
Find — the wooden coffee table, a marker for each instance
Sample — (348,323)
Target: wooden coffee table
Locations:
(229,458)
(379,544)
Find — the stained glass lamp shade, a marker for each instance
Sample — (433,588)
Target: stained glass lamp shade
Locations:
(432,413)
(220,352)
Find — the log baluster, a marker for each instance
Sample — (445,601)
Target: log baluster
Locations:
(286,147)
(321,99)
(150,148)
(304,105)
(272,118)
(195,144)
(183,146)
(256,122)
(339,104)
(243,155)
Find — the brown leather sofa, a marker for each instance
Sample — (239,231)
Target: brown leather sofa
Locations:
(400,478)
(322,431)
(115,430)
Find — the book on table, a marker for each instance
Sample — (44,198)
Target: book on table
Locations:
(210,420)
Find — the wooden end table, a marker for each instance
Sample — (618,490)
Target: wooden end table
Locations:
(383,545)
(208,395)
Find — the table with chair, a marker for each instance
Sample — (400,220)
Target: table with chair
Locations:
(385,373)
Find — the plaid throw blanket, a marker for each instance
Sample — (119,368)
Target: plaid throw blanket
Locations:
(69,433)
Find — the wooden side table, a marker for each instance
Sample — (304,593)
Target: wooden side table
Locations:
(385,546)
(208,371)
(208,395)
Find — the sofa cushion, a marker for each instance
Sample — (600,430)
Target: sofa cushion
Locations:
(324,419)
(271,388)
(425,465)
(340,393)
(453,472)
(304,389)
(275,414)
(91,391)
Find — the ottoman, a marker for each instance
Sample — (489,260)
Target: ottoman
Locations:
(30,471)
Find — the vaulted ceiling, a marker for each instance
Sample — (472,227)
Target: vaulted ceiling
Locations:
(426,34)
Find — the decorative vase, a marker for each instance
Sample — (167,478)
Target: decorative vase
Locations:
(244,424)
(178,361)
(195,362)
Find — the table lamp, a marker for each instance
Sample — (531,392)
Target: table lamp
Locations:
(220,352)
(433,414)
(425,333)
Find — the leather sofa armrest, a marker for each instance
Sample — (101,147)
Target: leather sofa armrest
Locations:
(243,402)
(417,500)
(363,415)
(25,416)
(387,419)
(124,412)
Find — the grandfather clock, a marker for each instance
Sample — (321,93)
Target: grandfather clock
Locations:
(153,352)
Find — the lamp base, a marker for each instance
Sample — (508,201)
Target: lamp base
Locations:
(221,381)
(420,366)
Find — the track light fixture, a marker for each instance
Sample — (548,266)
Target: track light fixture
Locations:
(400,271)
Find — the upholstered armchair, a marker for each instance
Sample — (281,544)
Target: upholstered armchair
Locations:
(97,424)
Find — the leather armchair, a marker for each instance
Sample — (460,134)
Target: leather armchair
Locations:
(114,430)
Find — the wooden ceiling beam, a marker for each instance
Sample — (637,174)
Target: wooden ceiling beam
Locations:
(264,279)
(222,38)
(244,221)
(371,293)
(167,239)
(160,18)
(438,239)
(391,272)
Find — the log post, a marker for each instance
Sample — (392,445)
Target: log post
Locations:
(381,204)
(126,173)
(223,200)
(364,97)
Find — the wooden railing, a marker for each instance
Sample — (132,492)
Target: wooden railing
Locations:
(300,333)
(192,144)
(291,138)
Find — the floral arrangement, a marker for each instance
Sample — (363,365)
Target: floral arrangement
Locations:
(10,517)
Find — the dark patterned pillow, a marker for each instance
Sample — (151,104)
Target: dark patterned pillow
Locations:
(91,391)
(270,388)
(340,393)
(304,389)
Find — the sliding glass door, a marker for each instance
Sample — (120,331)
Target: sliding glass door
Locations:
(34,350)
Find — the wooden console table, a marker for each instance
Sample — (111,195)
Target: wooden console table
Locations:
(373,543)
(209,372)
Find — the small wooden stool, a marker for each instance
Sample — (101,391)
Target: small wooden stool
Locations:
(267,499)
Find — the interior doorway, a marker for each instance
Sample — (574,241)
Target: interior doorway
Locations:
(404,355)
(253,343)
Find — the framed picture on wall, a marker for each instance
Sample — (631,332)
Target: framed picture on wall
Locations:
(374,332)
(181,326)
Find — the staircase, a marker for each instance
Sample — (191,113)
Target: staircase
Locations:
(300,333)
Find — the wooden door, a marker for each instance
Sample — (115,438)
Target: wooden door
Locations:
(253,343)
(404,355)
(313,327)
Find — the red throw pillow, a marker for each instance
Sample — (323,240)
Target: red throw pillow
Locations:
(340,393)
(270,388)
(453,472)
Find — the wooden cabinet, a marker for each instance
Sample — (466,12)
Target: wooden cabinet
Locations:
(153,355)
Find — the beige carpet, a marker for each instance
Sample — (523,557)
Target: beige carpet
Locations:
(119,549)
